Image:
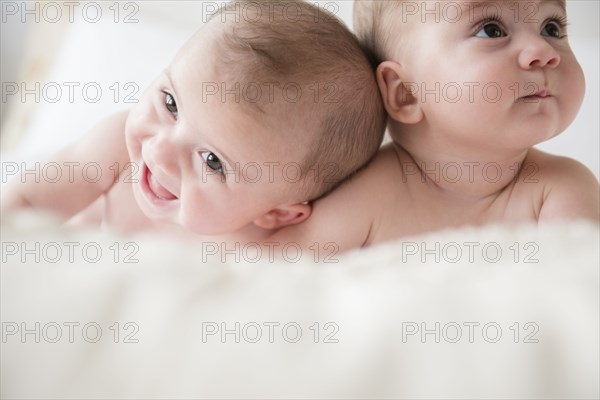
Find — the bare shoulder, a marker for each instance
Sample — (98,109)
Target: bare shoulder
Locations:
(571,190)
(102,146)
(89,168)
(370,182)
(106,140)
(345,216)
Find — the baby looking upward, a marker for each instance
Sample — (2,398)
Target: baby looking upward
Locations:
(269,105)
(469,88)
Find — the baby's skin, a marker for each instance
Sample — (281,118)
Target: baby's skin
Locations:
(466,160)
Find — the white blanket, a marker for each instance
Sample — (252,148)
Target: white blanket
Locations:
(502,312)
(76,324)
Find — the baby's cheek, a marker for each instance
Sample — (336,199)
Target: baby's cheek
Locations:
(203,215)
(193,218)
(574,92)
(131,141)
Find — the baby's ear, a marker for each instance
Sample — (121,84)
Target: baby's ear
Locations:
(398,98)
(283,216)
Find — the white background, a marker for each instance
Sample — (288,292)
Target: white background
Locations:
(106,52)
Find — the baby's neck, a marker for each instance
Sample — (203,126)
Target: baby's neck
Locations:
(468,177)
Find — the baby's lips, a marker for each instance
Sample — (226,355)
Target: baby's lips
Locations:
(540,94)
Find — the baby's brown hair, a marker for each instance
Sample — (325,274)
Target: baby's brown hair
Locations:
(294,41)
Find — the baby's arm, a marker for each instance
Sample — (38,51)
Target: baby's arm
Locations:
(74,189)
(572,192)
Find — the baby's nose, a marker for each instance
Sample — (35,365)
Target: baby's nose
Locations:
(165,152)
(538,53)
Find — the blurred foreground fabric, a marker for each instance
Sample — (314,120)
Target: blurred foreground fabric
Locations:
(509,312)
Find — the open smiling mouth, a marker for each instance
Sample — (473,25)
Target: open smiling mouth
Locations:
(153,188)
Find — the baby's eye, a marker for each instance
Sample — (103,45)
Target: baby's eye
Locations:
(212,161)
(170,104)
(490,30)
(553,29)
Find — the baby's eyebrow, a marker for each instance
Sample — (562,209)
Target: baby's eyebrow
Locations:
(562,4)
(476,5)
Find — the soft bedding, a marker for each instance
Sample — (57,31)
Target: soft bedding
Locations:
(492,312)
(507,312)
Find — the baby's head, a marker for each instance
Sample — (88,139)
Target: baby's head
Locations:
(467,77)
(270,105)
